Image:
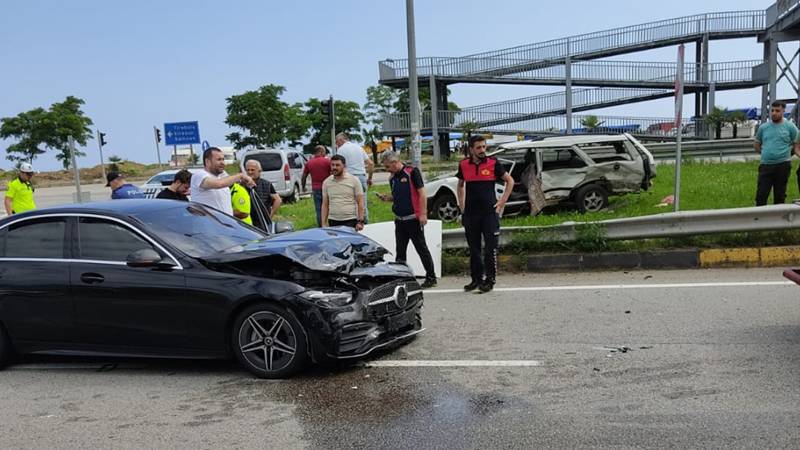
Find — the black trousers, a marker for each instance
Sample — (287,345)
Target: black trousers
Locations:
(487,227)
(343,223)
(405,230)
(773,177)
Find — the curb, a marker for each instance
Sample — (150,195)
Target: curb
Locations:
(660,259)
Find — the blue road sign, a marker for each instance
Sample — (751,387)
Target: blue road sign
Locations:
(206,145)
(181,133)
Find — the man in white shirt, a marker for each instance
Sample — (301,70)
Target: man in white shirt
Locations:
(212,186)
(358,164)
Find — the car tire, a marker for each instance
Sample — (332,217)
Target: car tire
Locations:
(269,341)
(591,198)
(445,208)
(294,196)
(6,350)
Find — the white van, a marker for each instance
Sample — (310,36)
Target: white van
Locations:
(283,168)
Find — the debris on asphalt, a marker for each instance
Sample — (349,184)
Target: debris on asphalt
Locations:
(647,277)
(596,369)
(645,347)
(628,311)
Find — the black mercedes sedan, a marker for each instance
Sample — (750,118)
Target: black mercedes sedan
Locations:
(163,278)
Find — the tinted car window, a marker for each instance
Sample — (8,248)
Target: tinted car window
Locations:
(269,161)
(199,231)
(164,179)
(295,160)
(107,241)
(42,238)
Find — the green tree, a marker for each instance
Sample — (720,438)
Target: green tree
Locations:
(401,104)
(50,128)
(31,128)
(591,123)
(113,160)
(736,118)
(716,119)
(348,120)
(69,122)
(263,119)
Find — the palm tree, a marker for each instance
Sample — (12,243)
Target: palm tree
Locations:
(716,119)
(592,123)
(735,118)
(114,159)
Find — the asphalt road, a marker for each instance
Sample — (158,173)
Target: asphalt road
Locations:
(713,362)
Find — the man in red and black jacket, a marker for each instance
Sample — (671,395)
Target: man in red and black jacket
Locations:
(410,212)
(480,211)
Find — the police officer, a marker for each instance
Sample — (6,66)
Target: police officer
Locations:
(19,195)
(410,212)
(481,211)
(240,202)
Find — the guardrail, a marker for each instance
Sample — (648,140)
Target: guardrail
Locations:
(684,223)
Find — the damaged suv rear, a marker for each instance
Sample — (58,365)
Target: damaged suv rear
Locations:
(162,278)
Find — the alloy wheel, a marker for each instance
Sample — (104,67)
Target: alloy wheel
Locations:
(448,212)
(267,341)
(593,201)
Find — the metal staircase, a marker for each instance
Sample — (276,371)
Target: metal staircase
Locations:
(587,46)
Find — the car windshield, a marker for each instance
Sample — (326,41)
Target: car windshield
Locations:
(197,230)
(162,178)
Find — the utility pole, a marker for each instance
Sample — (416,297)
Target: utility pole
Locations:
(74,161)
(157,132)
(333,123)
(100,143)
(413,88)
(678,126)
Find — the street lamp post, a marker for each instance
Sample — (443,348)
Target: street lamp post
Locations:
(413,87)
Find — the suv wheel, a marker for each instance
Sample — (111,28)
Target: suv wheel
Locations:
(294,196)
(591,198)
(445,208)
(269,341)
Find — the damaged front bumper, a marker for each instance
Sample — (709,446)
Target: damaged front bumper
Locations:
(382,317)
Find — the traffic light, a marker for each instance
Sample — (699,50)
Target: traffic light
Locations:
(325,106)
(158,135)
(102,139)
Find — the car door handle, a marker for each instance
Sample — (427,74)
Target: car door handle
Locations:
(92,278)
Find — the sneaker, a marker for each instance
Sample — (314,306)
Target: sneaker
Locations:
(429,283)
(471,286)
(486,287)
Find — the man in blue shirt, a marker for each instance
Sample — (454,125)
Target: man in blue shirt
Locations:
(120,189)
(775,141)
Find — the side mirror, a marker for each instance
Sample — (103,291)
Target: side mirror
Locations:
(283,227)
(146,257)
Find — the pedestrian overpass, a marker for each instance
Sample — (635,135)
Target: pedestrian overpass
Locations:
(576,61)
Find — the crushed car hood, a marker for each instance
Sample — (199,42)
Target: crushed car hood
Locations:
(321,249)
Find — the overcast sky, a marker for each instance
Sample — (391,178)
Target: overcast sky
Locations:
(143,63)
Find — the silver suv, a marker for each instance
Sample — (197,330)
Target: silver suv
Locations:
(283,168)
(582,170)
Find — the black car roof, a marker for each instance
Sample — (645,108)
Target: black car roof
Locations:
(128,207)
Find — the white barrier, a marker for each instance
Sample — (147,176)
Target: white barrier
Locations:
(383,233)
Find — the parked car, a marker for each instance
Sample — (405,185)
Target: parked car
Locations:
(283,168)
(180,280)
(582,170)
(161,180)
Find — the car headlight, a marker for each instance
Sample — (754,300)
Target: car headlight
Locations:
(330,298)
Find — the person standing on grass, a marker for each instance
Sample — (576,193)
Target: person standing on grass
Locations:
(342,198)
(359,165)
(211,187)
(410,207)
(265,192)
(319,167)
(480,211)
(19,195)
(775,142)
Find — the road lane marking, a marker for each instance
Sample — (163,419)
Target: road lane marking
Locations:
(453,363)
(596,287)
